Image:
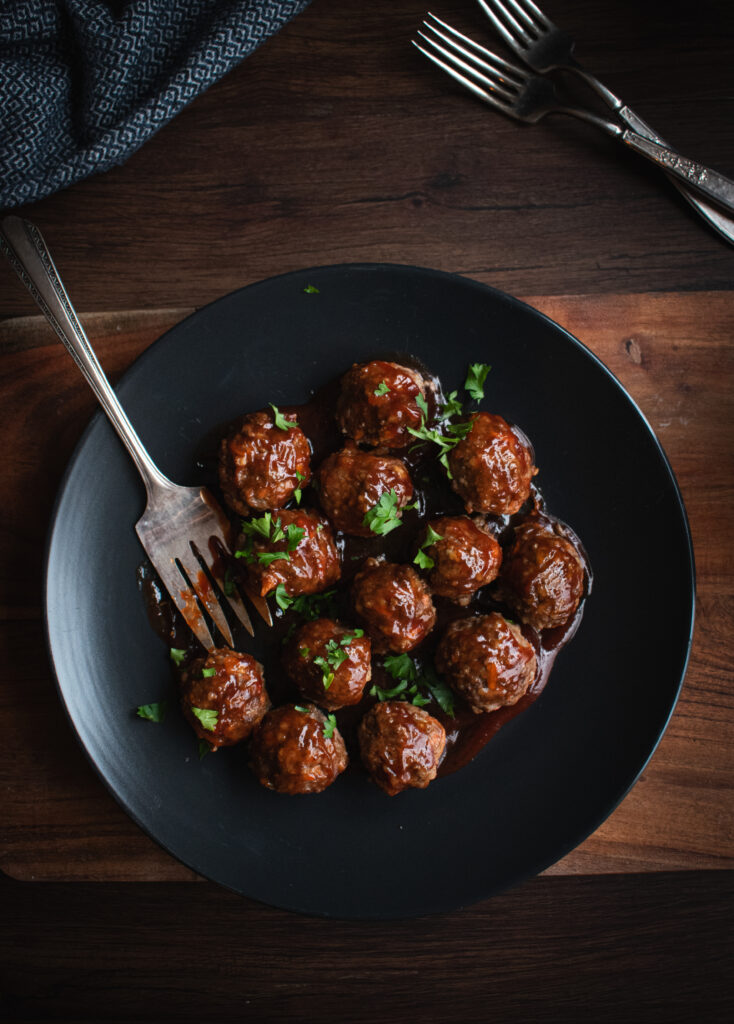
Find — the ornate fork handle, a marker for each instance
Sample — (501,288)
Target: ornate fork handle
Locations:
(715,186)
(29,257)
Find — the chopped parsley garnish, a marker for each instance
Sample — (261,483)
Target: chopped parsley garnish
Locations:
(300,477)
(280,421)
(177,655)
(204,749)
(452,406)
(329,726)
(152,712)
(475,379)
(336,654)
(385,516)
(311,289)
(308,606)
(300,707)
(272,531)
(417,687)
(207,716)
(207,673)
(381,389)
(455,432)
(228,585)
(282,598)
(422,560)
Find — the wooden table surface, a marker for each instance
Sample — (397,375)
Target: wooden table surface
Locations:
(335,143)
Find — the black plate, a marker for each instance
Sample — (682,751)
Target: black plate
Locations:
(550,776)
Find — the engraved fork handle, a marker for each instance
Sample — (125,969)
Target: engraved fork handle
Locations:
(29,257)
(718,220)
(715,186)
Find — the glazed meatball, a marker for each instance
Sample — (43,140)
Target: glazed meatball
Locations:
(543,575)
(296,749)
(395,604)
(377,403)
(487,661)
(329,664)
(223,696)
(401,746)
(351,483)
(260,466)
(465,557)
(492,467)
(308,559)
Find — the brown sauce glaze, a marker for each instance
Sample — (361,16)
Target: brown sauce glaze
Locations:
(467,732)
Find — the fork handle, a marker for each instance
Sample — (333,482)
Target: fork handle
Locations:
(715,186)
(28,254)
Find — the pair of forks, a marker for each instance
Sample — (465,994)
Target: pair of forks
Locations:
(529,97)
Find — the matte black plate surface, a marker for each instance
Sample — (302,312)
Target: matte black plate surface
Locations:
(551,775)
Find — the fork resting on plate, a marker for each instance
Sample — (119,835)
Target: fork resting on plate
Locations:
(183,530)
(529,97)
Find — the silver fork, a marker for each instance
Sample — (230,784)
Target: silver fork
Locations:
(181,526)
(544,47)
(529,98)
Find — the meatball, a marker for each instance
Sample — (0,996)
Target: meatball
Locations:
(395,604)
(543,575)
(223,696)
(260,466)
(401,746)
(352,482)
(377,403)
(487,661)
(492,467)
(465,557)
(329,664)
(297,749)
(307,559)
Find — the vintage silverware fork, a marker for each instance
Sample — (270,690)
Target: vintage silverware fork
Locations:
(529,98)
(181,526)
(544,47)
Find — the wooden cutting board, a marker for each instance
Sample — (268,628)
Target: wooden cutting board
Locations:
(673,352)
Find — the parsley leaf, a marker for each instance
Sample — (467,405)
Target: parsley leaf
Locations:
(280,421)
(282,598)
(300,707)
(439,690)
(315,606)
(207,716)
(228,585)
(300,477)
(207,673)
(381,389)
(422,560)
(329,726)
(266,557)
(452,406)
(417,687)
(294,536)
(311,289)
(177,655)
(152,712)
(400,666)
(475,379)
(385,516)
(204,749)
(382,694)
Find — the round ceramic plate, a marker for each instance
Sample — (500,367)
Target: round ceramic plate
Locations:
(552,774)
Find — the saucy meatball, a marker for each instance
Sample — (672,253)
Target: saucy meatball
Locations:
(296,749)
(307,561)
(465,557)
(492,467)
(543,575)
(401,746)
(329,664)
(487,661)
(223,696)
(351,483)
(395,604)
(260,465)
(377,403)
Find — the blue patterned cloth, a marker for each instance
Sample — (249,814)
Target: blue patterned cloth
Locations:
(84,83)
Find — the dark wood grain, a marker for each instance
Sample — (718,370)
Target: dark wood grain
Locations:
(674,354)
(612,950)
(337,142)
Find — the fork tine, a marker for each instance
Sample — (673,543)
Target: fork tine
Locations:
(536,13)
(467,83)
(184,598)
(490,83)
(495,63)
(512,33)
(204,591)
(519,13)
(212,557)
